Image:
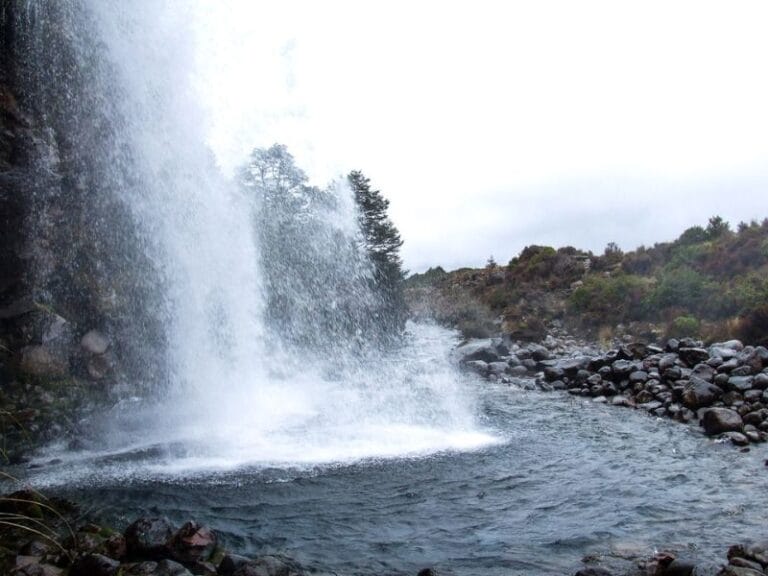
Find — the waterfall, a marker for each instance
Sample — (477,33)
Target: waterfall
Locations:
(173,245)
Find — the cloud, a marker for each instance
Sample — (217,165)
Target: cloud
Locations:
(490,125)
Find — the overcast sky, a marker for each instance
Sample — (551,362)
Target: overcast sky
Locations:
(493,125)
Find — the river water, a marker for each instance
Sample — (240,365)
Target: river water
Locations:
(558,478)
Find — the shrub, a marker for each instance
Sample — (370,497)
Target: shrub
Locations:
(683,326)
(683,288)
(609,299)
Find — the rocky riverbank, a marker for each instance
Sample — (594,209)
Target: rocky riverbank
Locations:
(49,537)
(722,387)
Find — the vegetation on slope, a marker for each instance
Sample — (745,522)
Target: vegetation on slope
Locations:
(711,282)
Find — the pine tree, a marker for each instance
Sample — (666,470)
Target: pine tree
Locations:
(382,243)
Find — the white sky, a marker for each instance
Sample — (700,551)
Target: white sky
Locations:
(493,125)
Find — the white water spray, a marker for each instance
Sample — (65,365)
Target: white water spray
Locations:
(236,398)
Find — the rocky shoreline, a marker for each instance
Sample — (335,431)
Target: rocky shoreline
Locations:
(723,387)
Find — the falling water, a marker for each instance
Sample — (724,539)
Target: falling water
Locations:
(231,393)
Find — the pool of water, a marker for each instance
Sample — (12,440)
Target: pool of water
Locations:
(564,478)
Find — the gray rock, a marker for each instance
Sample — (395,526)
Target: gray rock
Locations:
(622,401)
(739,571)
(736,345)
(479,366)
(530,364)
(760,381)
(678,567)
(699,393)
(703,371)
(38,360)
(36,569)
(518,371)
(148,537)
(744,563)
(497,368)
(192,543)
(622,367)
(268,566)
(673,373)
(693,356)
(739,383)
(717,351)
(755,418)
(737,438)
(728,365)
(667,361)
(741,371)
(593,571)
(649,406)
(718,420)
(638,376)
(756,551)
(94,342)
(553,373)
(94,565)
(539,352)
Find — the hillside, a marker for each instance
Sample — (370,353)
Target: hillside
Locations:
(711,283)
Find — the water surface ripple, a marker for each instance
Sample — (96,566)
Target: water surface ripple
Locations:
(570,478)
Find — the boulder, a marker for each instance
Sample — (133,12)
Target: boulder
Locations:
(760,381)
(266,566)
(230,563)
(497,368)
(593,571)
(622,368)
(539,352)
(38,360)
(693,356)
(718,420)
(192,543)
(755,551)
(737,438)
(94,342)
(94,565)
(36,569)
(148,537)
(739,383)
(703,371)
(479,366)
(673,345)
(699,393)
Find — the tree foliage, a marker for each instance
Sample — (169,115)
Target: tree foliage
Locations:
(382,243)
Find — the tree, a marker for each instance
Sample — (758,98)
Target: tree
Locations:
(309,264)
(382,243)
(717,227)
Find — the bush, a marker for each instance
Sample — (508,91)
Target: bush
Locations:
(753,326)
(609,299)
(682,288)
(683,327)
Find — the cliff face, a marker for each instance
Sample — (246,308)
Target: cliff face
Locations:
(77,291)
